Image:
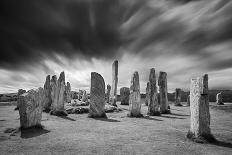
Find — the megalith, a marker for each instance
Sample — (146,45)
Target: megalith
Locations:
(188,100)
(84,97)
(199,110)
(113,93)
(47,95)
(57,93)
(108,88)
(20,92)
(163,93)
(30,108)
(147,94)
(134,98)
(153,105)
(68,92)
(97,96)
(124,95)
(219,99)
(178,97)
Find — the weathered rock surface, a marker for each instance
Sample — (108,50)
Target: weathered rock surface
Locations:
(135,99)
(178,97)
(57,93)
(163,93)
(199,110)
(20,92)
(68,92)
(97,96)
(30,108)
(219,99)
(108,93)
(147,94)
(153,105)
(124,95)
(113,94)
(47,95)
(84,97)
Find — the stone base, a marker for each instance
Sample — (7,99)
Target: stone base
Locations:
(16,108)
(209,138)
(124,103)
(166,112)
(178,105)
(58,113)
(137,116)
(38,126)
(220,103)
(47,110)
(97,116)
(157,113)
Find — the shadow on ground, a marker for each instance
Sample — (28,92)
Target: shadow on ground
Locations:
(223,144)
(33,132)
(107,119)
(67,118)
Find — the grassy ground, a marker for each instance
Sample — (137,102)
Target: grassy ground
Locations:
(78,134)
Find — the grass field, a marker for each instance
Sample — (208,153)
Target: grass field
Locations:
(78,134)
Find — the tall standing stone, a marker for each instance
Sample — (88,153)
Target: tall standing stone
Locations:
(97,96)
(135,99)
(108,93)
(199,110)
(153,106)
(188,100)
(68,93)
(219,99)
(178,97)
(30,108)
(80,94)
(57,93)
(47,95)
(84,97)
(124,95)
(20,92)
(147,94)
(163,93)
(113,94)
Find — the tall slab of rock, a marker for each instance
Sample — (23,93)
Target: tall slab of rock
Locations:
(147,94)
(124,95)
(84,97)
(178,97)
(113,94)
(108,88)
(97,96)
(153,105)
(30,108)
(68,92)
(163,93)
(58,93)
(219,99)
(80,95)
(199,110)
(20,92)
(135,99)
(47,95)
(188,100)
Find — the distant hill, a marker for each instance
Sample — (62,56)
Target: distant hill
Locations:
(8,97)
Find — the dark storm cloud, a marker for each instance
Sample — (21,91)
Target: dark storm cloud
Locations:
(37,29)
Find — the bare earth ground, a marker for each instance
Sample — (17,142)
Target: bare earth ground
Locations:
(78,134)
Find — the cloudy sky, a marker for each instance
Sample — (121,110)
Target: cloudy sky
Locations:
(185,39)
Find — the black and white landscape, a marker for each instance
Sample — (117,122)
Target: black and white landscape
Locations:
(115,77)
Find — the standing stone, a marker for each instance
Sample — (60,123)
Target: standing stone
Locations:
(188,100)
(147,94)
(57,93)
(47,95)
(84,97)
(68,93)
(20,92)
(113,94)
(153,106)
(199,110)
(219,99)
(163,92)
(97,96)
(178,97)
(80,94)
(135,99)
(30,108)
(108,93)
(124,95)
